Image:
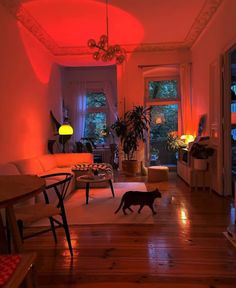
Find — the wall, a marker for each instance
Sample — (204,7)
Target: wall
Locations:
(219,35)
(131,78)
(29,89)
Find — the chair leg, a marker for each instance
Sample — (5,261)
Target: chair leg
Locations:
(53,229)
(21,227)
(8,235)
(66,228)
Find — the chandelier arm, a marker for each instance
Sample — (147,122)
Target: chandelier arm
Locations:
(106,52)
(100,48)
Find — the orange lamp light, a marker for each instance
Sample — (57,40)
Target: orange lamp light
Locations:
(187,138)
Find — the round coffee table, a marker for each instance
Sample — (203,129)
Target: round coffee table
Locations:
(89,179)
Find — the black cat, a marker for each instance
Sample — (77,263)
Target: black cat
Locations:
(138,198)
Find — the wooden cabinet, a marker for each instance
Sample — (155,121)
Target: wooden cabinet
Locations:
(193,177)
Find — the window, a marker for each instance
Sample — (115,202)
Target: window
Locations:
(96,116)
(162,90)
(163,95)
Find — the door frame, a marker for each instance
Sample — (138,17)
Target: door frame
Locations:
(226,121)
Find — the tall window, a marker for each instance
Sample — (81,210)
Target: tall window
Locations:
(163,95)
(96,116)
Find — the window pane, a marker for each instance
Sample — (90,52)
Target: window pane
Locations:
(94,124)
(166,89)
(164,120)
(95,99)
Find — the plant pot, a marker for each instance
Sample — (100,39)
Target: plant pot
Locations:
(200,164)
(130,167)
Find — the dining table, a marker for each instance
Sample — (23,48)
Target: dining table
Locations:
(13,190)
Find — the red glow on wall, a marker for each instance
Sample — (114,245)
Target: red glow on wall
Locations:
(70,23)
(39,57)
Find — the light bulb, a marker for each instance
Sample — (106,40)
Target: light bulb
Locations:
(91,43)
(96,55)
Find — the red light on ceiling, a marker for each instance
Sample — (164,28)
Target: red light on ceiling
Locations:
(70,23)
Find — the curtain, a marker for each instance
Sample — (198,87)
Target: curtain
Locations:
(112,105)
(186,99)
(76,101)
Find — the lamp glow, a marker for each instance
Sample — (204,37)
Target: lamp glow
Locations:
(187,138)
(66,129)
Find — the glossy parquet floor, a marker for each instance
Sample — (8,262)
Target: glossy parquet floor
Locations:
(184,249)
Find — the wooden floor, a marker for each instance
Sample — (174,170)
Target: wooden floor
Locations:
(184,249)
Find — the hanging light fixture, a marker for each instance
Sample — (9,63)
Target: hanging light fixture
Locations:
(105,51)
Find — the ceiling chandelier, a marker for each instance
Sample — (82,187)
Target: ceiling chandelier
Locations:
(105,51)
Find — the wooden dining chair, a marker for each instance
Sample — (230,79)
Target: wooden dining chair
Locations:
(57,183)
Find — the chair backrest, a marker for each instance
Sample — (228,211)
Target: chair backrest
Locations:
(59,182)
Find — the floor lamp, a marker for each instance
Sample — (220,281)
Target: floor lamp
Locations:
(65,130)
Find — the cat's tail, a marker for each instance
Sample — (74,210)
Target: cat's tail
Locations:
(121,203)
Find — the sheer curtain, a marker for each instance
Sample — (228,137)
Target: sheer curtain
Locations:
(186,98)
(111,101)
(76,101)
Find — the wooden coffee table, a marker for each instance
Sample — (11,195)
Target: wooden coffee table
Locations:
(89,179)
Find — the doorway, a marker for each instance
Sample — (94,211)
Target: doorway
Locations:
(229,123)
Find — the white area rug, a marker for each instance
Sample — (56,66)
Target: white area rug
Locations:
(101,207)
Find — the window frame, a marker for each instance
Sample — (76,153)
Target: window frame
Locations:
(161,102)
(102,109)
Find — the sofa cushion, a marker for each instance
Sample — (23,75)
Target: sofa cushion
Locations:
(9,169)
(48,162)
(57,170)
(70,159)
(29,166)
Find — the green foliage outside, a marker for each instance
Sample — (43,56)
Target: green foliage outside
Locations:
(95,99)
(165,89)
(95,121)
(159,132)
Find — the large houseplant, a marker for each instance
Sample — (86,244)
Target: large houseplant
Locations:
(131,129)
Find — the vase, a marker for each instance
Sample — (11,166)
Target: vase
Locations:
(130,167)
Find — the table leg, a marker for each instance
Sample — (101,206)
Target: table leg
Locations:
(3,240)
(87,192)
(14,229)
(112,189)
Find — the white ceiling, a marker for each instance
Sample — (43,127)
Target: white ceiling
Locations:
(64,26)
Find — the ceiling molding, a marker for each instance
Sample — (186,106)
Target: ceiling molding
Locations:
(202,20)
(21,14)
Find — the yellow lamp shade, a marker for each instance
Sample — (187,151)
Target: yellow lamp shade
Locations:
(66,129)
(187,138)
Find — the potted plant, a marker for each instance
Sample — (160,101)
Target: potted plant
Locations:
(200,153)
(131,129)
(173,142)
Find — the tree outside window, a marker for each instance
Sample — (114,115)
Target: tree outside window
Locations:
(163,96)
(96,116)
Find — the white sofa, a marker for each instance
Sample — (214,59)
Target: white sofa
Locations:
(47,164)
